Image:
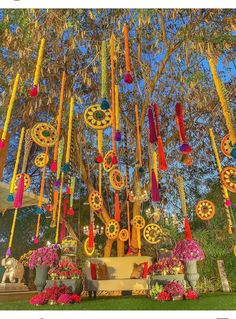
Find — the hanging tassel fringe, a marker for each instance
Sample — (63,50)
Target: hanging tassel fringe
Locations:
(188,234)
(19,194)
(152,130)
(184,148)
(161,155)
(128,77)
(53,166)
(155,191)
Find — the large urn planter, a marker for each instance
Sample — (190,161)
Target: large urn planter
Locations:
(191,273)
(41,277)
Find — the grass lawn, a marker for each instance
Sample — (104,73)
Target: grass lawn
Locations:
(213,301)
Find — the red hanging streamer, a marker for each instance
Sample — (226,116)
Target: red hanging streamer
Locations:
(152,130)
(188,234)
(63,225)
(155,190)
(184,148)
(161,153)
(91,236)
(117,206)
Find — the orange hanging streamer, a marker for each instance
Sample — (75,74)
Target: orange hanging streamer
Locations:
(117,206)
(128,78)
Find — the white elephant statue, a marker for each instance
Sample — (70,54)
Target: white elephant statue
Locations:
(14,270)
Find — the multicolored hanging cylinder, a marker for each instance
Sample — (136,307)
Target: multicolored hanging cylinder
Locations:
(128,77)
(34,90)
(9,111)
(184,148)
(59,119)
(161,154)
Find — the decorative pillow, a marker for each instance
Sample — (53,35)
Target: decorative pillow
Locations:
(137,271)
(102,272)
(93,271)
(145,269)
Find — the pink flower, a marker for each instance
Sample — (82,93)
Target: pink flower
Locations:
(174,288)
(39,299)
(163,296)
(64,299)
(187,250)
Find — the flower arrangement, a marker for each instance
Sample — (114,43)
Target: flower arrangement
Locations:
(187,250)
(191,295)
(65,270)
(163,296)
(24,259)
(167,266)
(45,256)
(155,290)
(174,288)
(55,295)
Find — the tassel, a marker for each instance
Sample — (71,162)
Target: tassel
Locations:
(8,253)
(128,77)
(184,148)
(152,131)
(57,183)
(63,225)
(49,208)
(19,194)
(117,206)
(99,159)
(36,240)
(68,190)
(91,236)
(53,166)
(104,104)
(155,191)
(228,202)
(118,136)
(71,211)
(114,160)
(66,168)
(34,90)
(2,144)
(188,234)
(10,198)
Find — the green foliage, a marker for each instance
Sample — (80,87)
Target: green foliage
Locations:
(155,289)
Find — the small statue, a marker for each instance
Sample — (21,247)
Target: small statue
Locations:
(14,270)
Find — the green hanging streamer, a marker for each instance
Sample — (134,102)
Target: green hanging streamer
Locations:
(104,104)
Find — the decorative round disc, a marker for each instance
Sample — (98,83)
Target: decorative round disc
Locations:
(44,134)
(107,161)
(228,178)
(88,252)
(112,229)
(41,160)
(138,222)
(152,233)
(26,181)
(124,234)
(95,200)
(97,118)
(226,145)
(116,179)
(205,209)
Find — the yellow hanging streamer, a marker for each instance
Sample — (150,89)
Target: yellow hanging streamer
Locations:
(223,188)
(117,106)
(180,183)
(12,185)
(113,119)
(39,62)
(13,228)
(69,130)
(59,209)
(10,107)
(100,143)
(223,101)
(155,164)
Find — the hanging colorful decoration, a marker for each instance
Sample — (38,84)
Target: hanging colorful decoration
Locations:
(59,208)
(112,229)
(72,191)
(180,183)
(59,119)
(9,111)
(228,178)
(88,251)
(113,101)
(104,105)
(205,209)
(226,146)
(184,148)
(26,181)
(152,233)
(161,154)
(117,115)
(95,200)
(123,235)
(34,90)
(138,223)
(116,179)
(91,233)
(108,164)
(10,197)
(128,77)
(44,134)
(224,103)
(66,166)
(41,160)
(227,202)
(155,188)
(117,206)
(152,130)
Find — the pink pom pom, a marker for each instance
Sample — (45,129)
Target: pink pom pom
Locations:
(128,78)
(228,202)
(2,144)
(36,240)
(53,166)
(71,211)
(34,91)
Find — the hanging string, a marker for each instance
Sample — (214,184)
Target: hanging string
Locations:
(34,90)
(9,111)
(104,105)
(224,191)
(10,197)
(128,78)
(59,119)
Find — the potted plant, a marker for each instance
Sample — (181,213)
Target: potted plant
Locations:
(41,259)
(189,252)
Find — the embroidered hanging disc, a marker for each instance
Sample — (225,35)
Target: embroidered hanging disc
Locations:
(95,200)
(26,181)
(41,160)
(226,145)
(107,161)
(88,252)
(44,134)
(112,229)
(205,209)
(116,179)
(228,178)
(124,234)
(152,233)
(97,118)
(138,222)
